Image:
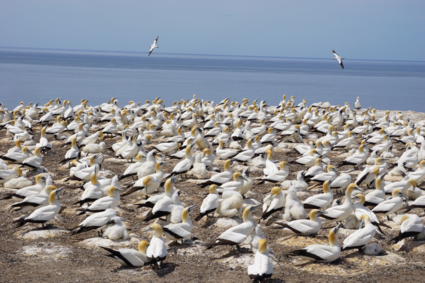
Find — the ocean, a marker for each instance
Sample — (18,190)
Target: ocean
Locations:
(40,75)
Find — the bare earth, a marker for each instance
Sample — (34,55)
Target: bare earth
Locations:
(63,258)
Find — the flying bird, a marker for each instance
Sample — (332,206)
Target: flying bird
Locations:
(333,51)
(153,46)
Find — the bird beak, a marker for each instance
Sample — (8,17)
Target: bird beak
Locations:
(361,224)
(125,220)
(190,208)
(337,228)
(355,197)
(148,229)
(357,188)
(254,207)
(320,212)
(58,191)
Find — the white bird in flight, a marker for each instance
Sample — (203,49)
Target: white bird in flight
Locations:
(336,58)
(153,46)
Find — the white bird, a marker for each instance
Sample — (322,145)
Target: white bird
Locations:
(112,200)
(262,269)
(367,176)
(376,196)
(278,176)
(304,227)
(33,162)
(237,234)
(157,251)
(341,212)
(153,46)
(256,237)
(117,230)
(43,214)
(231,203)
(321,253)
(179,231)
(411,225)
(8,174)
(165,205)
(390,206)
(130,257)
(148,184)
(40,184)
(337,57)
(209,204)
(320,201)
(95,221)
(361,237)
(220,178)
(294,208)
(274,202)
(33,202)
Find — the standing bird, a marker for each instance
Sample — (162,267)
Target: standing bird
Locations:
(157,251)
(153,46)
(338,58)
(262,269)
(209,204)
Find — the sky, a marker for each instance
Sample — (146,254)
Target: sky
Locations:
(378,30)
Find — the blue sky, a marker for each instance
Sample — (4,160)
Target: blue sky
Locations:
(384,30)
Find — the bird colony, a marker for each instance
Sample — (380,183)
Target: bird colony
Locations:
(215,176)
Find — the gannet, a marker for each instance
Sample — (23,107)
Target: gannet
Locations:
(43,214)
(94,221)
(341,212)
(153,46)
(231,203)
(178,231)
(237,234)
(304,227)
(262,269)
(130,257)
(411,225)
(157,251)
(274,202)
(361,237)
(319,201)
(209,204)
(117,230)
(321,253)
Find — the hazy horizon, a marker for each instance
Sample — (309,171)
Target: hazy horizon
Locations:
(141,53)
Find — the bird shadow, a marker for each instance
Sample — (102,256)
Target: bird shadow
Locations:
(234,253)
(46,228)
(165,269)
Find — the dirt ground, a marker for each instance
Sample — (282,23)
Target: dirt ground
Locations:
(65,259)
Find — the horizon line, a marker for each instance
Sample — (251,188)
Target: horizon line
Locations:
(187,54)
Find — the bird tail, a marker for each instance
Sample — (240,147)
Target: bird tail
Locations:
(200,216)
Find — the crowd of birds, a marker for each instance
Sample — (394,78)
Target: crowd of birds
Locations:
(198,134)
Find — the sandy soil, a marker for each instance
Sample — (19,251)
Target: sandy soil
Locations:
(64,258)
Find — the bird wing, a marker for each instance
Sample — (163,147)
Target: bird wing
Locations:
(232,236)
(303,226)
(156,40)
(134,257)
(210,202)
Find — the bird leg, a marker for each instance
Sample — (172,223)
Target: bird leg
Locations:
(388,217)
(290,237)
